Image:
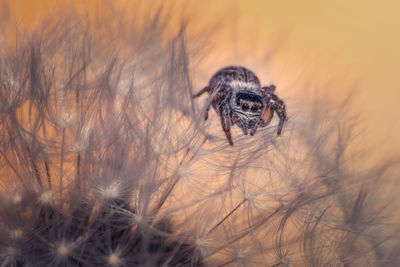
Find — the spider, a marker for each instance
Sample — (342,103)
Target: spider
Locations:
(238,98)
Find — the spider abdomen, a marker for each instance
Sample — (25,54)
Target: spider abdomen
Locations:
(234,76)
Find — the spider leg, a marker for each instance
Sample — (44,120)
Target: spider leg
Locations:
(202,91)
(213,99)
(236,120)
(207,89)
(225,121)
(268,112)
(273,103)
(207,110)
(255,127)
(278,106)
(218,99)
(267,116)
(269,89)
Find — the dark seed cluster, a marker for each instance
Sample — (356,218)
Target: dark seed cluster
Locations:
(105,235)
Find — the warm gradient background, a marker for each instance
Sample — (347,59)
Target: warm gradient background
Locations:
(338,46)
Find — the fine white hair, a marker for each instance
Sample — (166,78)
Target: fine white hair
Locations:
(241,85)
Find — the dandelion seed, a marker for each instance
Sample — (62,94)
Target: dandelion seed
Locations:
(182,172)
(203,242)
(80,146)
(63,250)
(138,219)
(114,259)
(16,234)
(65,120)
(112,191)
(11,251)
(17,198)
(46,197)
(242,256)
(82,143)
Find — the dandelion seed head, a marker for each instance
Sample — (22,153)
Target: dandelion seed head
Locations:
(138,219)
(251,198)
(82,143)
(26,133)
(17,198)
(114,259)
(16,233)
(11,251)
(62,250)
(79,146)
(111,191)
(242,257)
(122,91)
(65,119)
(203,242)
(46,197)
(157,148)
(182,172)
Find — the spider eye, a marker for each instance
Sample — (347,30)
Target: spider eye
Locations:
(254,108)
(245,107)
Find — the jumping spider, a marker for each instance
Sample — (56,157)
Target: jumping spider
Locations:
(238,98)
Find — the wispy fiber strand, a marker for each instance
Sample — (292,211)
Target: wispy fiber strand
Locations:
(106,161)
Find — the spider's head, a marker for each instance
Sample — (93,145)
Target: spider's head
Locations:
(248,106)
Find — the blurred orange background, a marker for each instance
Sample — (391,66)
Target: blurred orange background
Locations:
(338,45)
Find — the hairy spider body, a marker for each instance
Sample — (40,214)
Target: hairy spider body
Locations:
(238,98)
